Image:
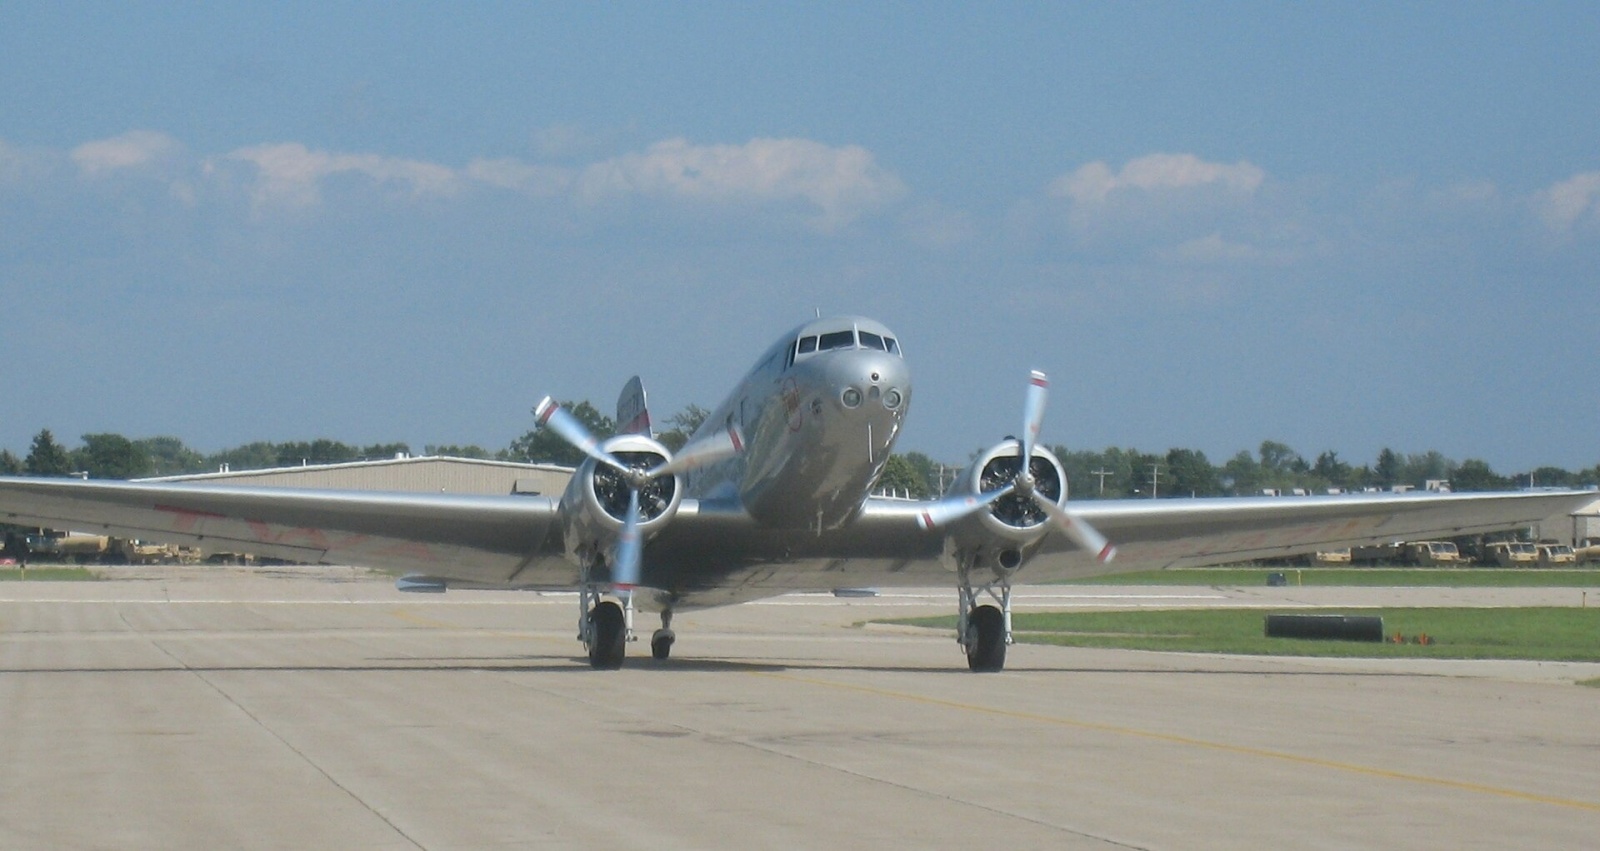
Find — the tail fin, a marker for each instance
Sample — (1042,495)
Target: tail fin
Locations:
(633,415)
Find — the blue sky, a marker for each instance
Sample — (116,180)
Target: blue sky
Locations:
(1339,226)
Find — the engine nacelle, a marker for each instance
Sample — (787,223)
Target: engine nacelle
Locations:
(595,504)
(1000,535)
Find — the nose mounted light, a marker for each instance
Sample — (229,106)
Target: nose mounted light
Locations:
(851,397)
(891,399)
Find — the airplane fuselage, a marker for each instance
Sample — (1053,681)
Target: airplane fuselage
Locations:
(820,412)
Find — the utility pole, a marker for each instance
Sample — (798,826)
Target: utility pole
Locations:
(1155,480)
(1102,474)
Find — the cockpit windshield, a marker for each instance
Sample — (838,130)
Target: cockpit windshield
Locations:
(849,338)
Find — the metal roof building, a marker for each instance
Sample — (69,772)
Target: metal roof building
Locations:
(429,474)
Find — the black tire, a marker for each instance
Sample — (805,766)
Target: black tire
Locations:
(986,640)
(661,644)
(609,643)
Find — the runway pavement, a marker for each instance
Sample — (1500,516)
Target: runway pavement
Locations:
(322,709)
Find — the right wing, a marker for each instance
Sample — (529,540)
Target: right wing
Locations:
(493,540)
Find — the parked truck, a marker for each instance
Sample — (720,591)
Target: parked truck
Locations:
(80,547)
(1432,553)
(1556,555)
(1513,553)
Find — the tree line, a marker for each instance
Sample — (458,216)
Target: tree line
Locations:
(1112,473)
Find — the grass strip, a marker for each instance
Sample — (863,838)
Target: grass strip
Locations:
(1385,577)
(1549,634)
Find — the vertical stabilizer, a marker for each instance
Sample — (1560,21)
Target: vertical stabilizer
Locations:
(633,415)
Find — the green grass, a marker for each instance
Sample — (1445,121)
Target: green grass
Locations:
(1546,634)
(1445,577)
(48,574)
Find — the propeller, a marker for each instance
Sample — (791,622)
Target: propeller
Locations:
(951,509)
(724,443)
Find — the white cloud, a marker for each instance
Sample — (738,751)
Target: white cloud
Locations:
(842,183)
(1095,182)
(290,174)
(1212,249)
(133,149)
(1564,204)
(515,174)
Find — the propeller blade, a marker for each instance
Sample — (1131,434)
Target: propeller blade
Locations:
(1033,413)
(953,508)
(549,414)
(625,572)
(724,443)
(1085,536)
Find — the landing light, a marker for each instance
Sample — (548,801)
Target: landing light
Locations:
(891,399)
(851,398)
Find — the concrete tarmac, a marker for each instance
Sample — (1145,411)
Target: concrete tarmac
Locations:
(319,708)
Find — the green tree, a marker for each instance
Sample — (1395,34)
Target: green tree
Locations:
(1335,472)
(47,458)
(1553,477)
(1243,474)
(1388,468)
(1475,475)
(10,465)
(1279,458)
(471,451)
(169,457)
(1420,468)
(319,451)
(251,456)
(112,456)
(900,478)
(1188,473)
(929,472)
(684,424)
(543,446)
(382,451)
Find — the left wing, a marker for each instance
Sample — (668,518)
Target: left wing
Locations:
(494,540)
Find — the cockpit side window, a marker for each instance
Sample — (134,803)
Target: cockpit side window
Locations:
(837,340)
(870,340)
(890,346)
(808,345)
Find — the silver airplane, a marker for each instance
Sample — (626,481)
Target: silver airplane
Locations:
(771,495)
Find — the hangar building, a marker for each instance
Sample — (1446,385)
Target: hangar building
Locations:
(428,474)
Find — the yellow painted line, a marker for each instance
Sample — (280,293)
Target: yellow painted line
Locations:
(412,617)
(1172,738)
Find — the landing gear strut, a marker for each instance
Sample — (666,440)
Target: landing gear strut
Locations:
(984,631)
(602,627)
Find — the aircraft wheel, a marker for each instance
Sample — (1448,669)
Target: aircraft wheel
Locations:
(661,643)
(609,644)
(986,640)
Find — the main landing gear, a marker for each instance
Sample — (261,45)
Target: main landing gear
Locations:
(984,631)
(606,627)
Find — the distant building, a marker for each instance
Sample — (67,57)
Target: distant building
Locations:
(429,474)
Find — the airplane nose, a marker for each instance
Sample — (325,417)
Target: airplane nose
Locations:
(872,383)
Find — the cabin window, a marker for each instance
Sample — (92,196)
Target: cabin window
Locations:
(837,340)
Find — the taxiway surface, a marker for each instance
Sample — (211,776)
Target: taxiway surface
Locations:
(322,709)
